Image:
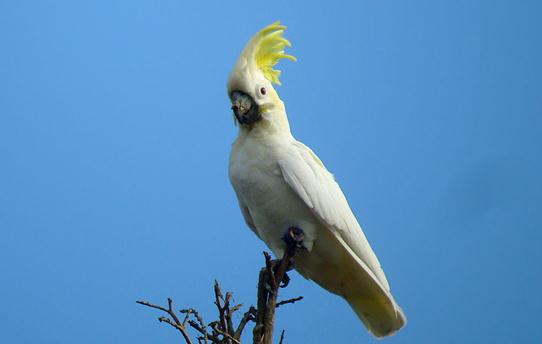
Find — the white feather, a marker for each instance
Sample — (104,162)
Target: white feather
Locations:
(281,183)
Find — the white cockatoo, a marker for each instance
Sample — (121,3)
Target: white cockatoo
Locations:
(280,184)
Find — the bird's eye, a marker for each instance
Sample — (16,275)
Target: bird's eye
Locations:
(263,91)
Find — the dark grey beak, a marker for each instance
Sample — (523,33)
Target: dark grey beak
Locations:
(245,108)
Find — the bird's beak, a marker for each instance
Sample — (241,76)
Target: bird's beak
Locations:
(245,108)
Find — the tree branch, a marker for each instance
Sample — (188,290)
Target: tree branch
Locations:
(274,277)
(281,337)
(223,331)
(175,323)
(294,300)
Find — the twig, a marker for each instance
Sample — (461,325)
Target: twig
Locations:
(224,333)
(228,315)
(222,309)
(294,300)
(248,316)
(281,337)
(175,323)
(198,326)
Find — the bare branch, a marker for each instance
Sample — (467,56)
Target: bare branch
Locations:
(257,332)
(148,304)
(249,315)
(224,333)
(175,323)
(205,335)
(271,278)
(294,300)
(219,298)
(196,315)
(275,272)
(228,315)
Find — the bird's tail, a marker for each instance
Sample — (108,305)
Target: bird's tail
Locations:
(380,317)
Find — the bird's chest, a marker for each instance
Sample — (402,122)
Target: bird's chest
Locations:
(256,177)
(274,207)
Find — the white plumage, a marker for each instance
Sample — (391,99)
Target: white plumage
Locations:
(280,183)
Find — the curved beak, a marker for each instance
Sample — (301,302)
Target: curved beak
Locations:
(245,108)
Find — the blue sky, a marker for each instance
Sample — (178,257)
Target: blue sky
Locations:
(115,131)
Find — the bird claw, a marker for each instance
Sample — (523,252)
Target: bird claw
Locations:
(285,278)
(294,238)
(285,281)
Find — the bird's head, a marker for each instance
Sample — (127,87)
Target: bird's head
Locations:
(250,84)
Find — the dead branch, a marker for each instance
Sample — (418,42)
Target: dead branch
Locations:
(175,323)
(273,274)
(281,337)
(223,331)
(293,300)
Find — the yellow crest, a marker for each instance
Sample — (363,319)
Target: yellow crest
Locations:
(267,48)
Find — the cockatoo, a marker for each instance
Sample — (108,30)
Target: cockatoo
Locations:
(280,184)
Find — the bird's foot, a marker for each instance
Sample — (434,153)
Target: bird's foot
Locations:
(294,238)
(285,281)
(275,264)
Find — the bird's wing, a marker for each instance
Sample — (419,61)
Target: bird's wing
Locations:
(307,176)
(315,185)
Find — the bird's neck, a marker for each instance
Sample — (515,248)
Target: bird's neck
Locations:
(274,122)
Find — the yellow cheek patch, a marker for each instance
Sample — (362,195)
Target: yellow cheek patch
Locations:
(265,107)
